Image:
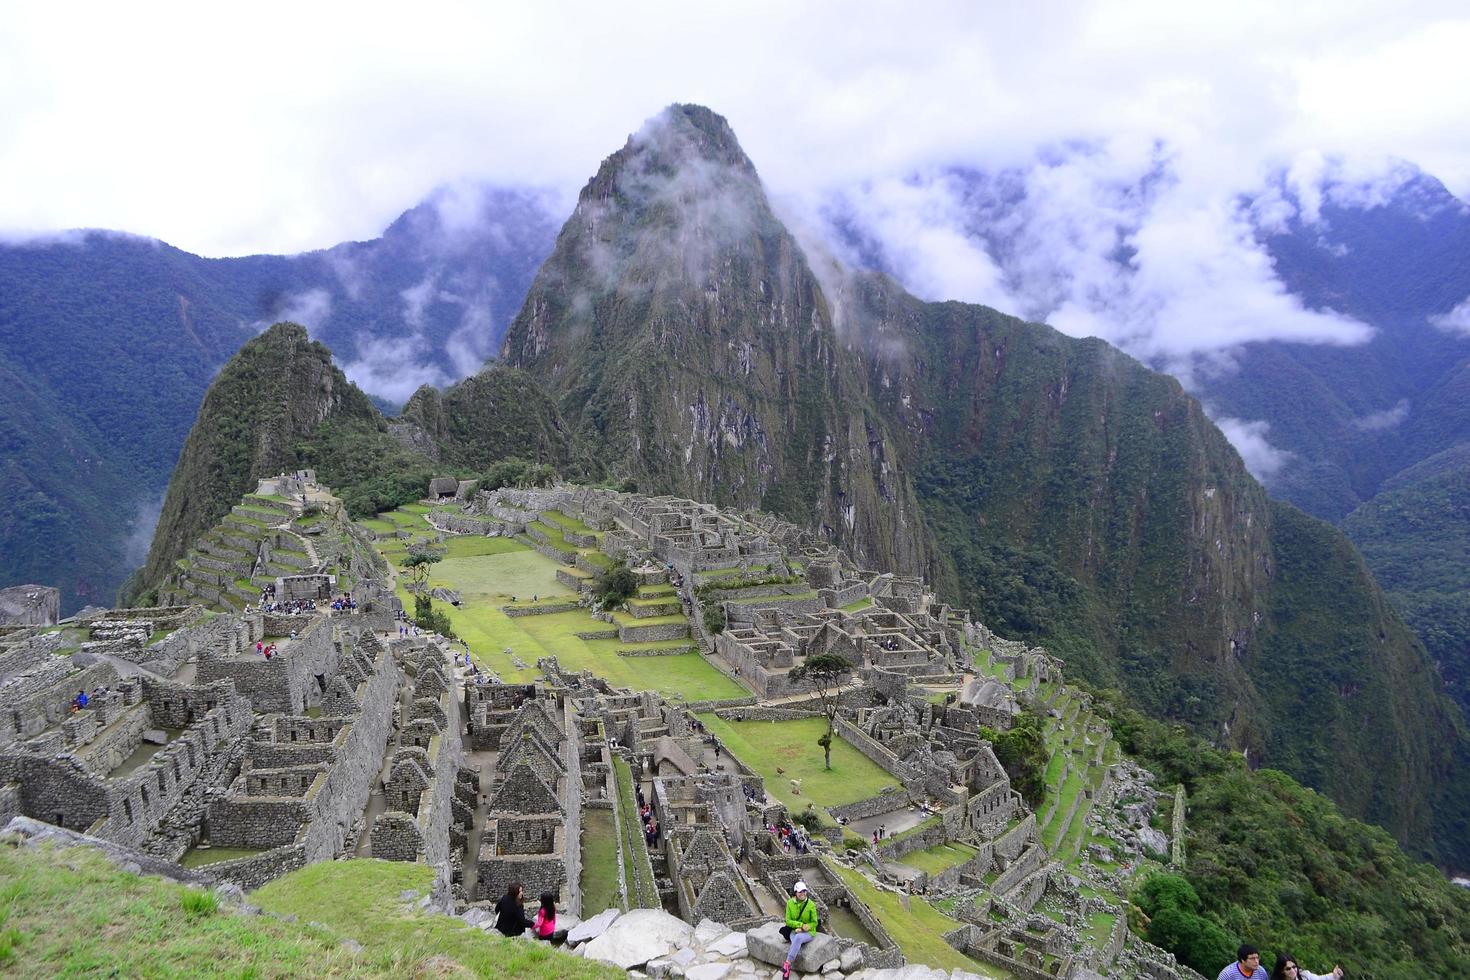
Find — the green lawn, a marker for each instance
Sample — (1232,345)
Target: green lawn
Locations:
(914,924)
(599,863)
(765,746)
(570,523)
(487,581)
(939,858)
(474,546)
(859,605)
(73,913)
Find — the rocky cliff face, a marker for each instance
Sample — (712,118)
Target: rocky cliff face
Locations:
(276,391)
(686,340)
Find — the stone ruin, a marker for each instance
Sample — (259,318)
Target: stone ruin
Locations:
(351,742)
(30,605)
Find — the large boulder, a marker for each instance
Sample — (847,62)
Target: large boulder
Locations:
(590,929)
(766,944)
(639,936)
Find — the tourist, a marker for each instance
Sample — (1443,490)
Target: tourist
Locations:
(801,924)
(545,926)
(1287,969)
(81,700)
(875,838)
(510,911)
(1247,965)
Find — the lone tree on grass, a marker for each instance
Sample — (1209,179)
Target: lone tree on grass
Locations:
(418,561)
(825,671)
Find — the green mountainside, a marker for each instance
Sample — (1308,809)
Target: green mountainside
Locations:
(279,389)
(681,338)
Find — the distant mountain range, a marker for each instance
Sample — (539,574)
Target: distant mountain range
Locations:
(680,338)
(108,342)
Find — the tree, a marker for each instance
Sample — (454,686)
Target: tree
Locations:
(825,671)
(714,618)
(1022,753)
(613,587)
(418,562)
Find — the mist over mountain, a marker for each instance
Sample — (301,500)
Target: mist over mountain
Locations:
(109,341)
(1320,320)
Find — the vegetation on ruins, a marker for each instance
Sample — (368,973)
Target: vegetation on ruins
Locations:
(714,618)
(615,586)
(1022,752)
(825,672)
(514,472)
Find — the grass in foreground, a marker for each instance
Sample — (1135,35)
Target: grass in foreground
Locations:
(358,899)
(71,912)
(765,746)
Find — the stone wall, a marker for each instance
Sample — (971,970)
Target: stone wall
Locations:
(892,798)
(258,869)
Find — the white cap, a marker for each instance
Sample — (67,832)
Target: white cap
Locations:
(800,886)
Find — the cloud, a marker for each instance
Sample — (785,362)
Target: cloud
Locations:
(379,109)
(309,307)
(140,530)
(392,367)
(1389,418)
(1249,439)
(1456,320)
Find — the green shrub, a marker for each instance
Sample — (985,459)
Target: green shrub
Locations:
(714,619)
(615,586)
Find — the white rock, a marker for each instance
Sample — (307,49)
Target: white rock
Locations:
(639,936)
(590,929)
(708,971)
(731,945)
(765,944)
(708,931)
(831,966)
(477,916)
(850,960)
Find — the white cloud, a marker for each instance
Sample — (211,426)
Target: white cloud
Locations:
(392,367)
(1388,418)
(309,307)
(165,121)
(1456,320)
(1249,438)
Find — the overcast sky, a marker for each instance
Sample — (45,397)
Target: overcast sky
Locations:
(286,127)
(283,127)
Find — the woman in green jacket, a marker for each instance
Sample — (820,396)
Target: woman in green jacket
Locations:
(801,924)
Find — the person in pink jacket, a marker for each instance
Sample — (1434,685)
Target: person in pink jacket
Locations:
(545,923)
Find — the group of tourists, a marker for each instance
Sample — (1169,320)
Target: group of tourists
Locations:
(293,607)
(652,832)
(1247,966)
(344,603)
(792,838)
(263,649)
(510,915)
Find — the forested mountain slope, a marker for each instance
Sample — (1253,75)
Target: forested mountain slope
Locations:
(108,342)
